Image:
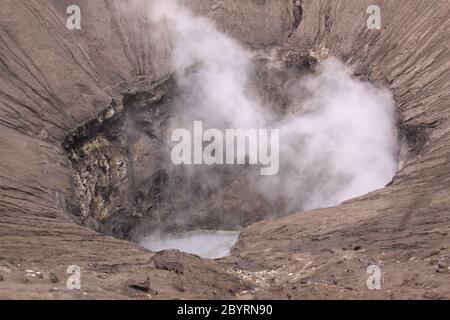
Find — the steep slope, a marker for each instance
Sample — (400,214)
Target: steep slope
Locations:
(403,228)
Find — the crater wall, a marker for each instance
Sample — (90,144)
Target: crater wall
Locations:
(52,80)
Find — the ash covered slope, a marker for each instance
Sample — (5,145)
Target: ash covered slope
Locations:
(403,228)
(53,79)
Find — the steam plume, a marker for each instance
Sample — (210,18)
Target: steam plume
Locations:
(338,143)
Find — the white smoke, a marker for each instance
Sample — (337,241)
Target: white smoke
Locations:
(212,68)
(348,138)
(339,143)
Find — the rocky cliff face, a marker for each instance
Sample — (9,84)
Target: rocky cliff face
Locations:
(126,185)
(56,81)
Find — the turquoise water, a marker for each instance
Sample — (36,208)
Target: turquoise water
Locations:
(206,244)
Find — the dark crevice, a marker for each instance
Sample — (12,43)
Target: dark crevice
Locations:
(297,15)
(412,140)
